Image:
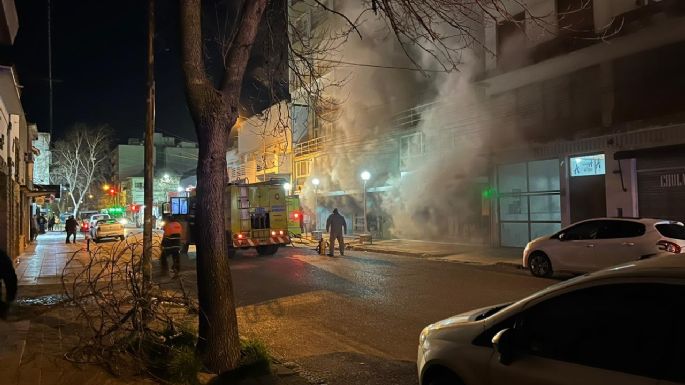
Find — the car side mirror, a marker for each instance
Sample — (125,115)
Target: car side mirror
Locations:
(503,342)
(562,236)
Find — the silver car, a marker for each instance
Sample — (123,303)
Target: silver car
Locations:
(622,325)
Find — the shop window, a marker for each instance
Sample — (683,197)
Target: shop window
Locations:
(587,165)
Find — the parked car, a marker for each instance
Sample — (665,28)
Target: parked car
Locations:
(622,325)
(598,243)
(108,228)
(93,220)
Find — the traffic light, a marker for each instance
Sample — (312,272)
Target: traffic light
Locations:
(112,191)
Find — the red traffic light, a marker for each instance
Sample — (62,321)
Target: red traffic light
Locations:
(112,191)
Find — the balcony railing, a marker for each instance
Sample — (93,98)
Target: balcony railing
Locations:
(309,147)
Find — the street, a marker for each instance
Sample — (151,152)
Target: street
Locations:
(356,319)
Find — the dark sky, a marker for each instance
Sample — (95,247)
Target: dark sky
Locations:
(99,66)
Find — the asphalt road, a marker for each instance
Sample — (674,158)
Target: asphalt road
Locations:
(356,319)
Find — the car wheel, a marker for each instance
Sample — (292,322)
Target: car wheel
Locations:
(443,377)
(540,265)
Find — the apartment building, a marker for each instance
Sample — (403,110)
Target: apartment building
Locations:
(571,115)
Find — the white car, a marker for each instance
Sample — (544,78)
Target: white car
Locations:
(108,228)
(93,221)
(598,243)
(623,325)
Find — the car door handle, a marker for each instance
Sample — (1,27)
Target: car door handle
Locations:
(590,245)
(628,244)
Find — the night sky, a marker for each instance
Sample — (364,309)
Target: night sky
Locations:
(99,66)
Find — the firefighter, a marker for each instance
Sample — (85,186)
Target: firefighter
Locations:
(336,227)
(171,244)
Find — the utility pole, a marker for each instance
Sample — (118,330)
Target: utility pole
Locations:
(149,148)
(50,63)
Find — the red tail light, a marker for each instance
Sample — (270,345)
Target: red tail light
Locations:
(669,247)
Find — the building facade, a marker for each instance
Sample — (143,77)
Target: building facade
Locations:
(576,114)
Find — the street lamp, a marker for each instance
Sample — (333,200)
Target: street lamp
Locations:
(316,182)
(287,186)
(365,177)
(105,187)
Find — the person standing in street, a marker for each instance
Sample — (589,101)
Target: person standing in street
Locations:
(171,244)
(71,225)
(9,283)
(336,228)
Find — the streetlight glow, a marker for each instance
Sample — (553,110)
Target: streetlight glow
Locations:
(287,186)
(366,175)
(105,187)
(180,189)
(316,181)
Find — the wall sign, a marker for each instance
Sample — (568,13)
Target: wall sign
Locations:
(587,165)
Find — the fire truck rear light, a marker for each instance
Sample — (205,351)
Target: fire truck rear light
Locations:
(240,236)
(280,232)
(296,215)
(669,247)
(273,233)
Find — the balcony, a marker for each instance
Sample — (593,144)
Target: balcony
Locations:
(309,147)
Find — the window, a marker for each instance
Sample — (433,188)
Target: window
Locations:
(671,230)
(620,229)
(511,42)
(302,169)
(622,327)
(587,165)
(138,185)
(582,231)
(411,148)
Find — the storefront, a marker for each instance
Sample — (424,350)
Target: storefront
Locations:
(660,181)
(529,202)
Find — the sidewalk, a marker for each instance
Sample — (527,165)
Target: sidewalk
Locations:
(444,251)
(39,330)
(43,261)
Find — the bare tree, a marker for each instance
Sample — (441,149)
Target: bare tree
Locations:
(436,29)
(80,160)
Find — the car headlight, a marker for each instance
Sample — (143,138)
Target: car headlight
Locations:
(423,339)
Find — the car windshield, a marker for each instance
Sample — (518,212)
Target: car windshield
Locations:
(671,230)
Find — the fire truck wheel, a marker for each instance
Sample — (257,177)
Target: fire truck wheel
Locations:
(267,249)
(231,252)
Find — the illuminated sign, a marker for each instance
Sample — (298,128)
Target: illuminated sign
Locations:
(179,206)
(587,165)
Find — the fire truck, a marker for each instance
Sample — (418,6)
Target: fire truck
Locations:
(259,216)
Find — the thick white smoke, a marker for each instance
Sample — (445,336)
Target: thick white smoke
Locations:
(439,194)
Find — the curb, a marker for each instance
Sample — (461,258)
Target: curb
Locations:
(515,265)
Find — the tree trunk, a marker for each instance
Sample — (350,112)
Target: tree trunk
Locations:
(214,112)
(219,344)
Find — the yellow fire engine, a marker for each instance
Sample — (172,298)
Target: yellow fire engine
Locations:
(260,216)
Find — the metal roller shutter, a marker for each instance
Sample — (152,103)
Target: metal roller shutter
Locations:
(661,186)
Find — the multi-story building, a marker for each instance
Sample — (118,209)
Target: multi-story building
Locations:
(575,114)
(43,159)
(174,160)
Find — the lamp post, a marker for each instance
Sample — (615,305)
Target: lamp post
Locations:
(316,182)
(365,177)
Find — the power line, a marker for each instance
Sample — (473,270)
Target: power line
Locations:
(382,66)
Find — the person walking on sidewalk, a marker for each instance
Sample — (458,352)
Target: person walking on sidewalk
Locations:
(336,227)
(9,283)
(51,222)
(71,226)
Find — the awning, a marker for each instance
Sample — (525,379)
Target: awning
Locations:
(41,190)
(674,149)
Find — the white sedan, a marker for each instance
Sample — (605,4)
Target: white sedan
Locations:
(594,244)
(623,325)
(108,228)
